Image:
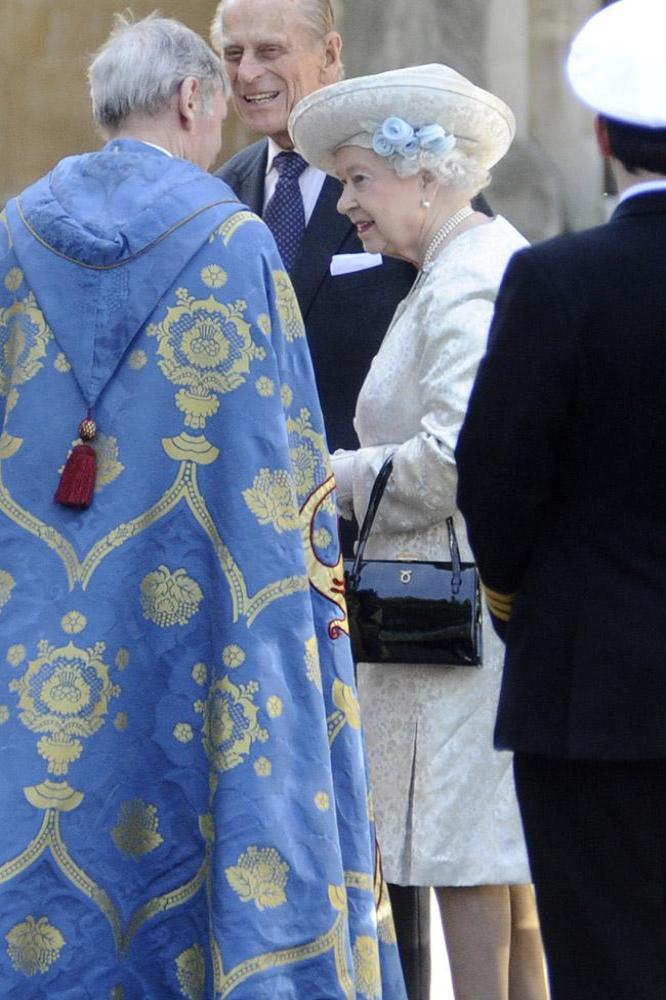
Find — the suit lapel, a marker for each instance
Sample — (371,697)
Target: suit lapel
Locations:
(324,234)
(251,181)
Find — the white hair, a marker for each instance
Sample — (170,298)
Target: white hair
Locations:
(143,63)
(318,17)
(454,169)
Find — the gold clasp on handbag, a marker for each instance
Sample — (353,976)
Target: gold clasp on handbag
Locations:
(405,576)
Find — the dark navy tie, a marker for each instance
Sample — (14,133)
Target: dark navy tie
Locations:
(284,214)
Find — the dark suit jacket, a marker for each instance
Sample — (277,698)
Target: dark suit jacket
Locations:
(562,465)
(345,316)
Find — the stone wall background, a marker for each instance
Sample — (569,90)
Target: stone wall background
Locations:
(551,180)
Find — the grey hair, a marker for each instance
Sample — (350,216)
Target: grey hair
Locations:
(454,169)
(143,63)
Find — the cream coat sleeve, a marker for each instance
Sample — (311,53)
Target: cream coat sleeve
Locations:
(440,357)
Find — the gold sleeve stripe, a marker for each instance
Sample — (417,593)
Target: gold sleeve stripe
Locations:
(500,605)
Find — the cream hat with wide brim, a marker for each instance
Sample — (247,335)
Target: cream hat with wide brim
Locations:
(617,64)
(347,113)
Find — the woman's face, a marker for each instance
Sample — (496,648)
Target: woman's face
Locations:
(386,209)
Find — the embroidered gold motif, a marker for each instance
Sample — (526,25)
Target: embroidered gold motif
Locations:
(287,306)
(312,665)
(274,707)
(385,925)
(122,658)
(170,598)
(337,895)
(233,656)
(13,279)
(24,335)
(366,965)
(16,654)
(309,455)
(322,801)
(61,364)
(200,673)
(137,831)
(191,972)
(230,726)
(260,876)
(56,795)
(344,698)
(137,360)
(7,584)
(34,945)
(4,714)
(263,767)
(322,538)
(207,348)
(183,732)
(287,396)
(117,993)
(214,276)
(335,939)
(231,225)
(272,500)
(264,324)
(326,578)
(65,695)
(265,386)
(121,721)
(73,622)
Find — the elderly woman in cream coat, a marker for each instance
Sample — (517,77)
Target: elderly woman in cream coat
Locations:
(412,147)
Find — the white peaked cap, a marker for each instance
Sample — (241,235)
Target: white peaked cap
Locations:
(617,62)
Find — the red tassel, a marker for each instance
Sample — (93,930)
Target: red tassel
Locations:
(77,482)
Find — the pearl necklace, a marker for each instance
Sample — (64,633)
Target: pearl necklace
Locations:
(451,223)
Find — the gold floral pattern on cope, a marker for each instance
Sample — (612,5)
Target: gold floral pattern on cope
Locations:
(16,654)
(312,665)
(191,972)
(73,622)
(64,695)
(137,831)
(231,725)
(206,348)
(344,698)
(34,945)
(13,279)
(272,500)
(287,306)
(7,584)
(170,598)
(24,337)
(366,967)
(260,876)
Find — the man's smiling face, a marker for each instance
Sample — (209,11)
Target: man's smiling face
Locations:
(273,60)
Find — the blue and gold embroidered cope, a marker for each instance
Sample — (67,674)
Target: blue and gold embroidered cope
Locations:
(182,776)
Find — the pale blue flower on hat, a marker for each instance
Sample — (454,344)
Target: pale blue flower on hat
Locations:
(435,139)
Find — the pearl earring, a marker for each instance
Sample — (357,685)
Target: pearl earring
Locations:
(425,203)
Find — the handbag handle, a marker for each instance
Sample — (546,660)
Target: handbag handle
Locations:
(376,495)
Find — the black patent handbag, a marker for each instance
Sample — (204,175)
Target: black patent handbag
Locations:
(404,611)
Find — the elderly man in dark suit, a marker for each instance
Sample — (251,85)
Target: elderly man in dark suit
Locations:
(563,483)
(277,51)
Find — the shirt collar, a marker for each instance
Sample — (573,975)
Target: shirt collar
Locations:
(643,187)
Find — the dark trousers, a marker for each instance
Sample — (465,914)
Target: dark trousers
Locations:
(596,839)
(411,915)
